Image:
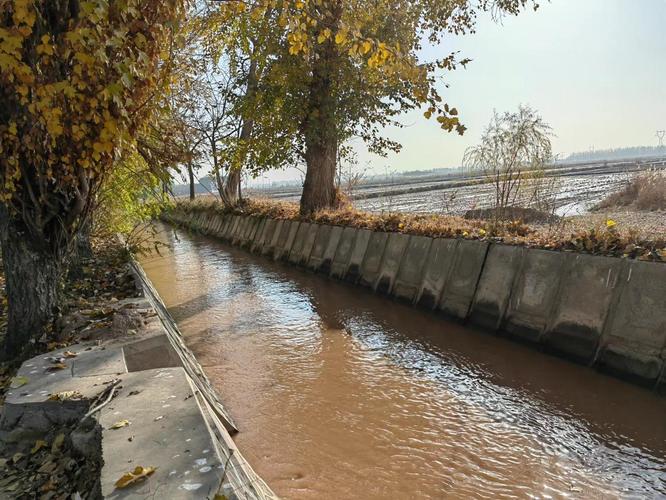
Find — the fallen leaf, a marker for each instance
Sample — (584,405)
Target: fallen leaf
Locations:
(119,424)
(138,474)
(69,354)
(57,366)
(17,457)
(19,382)
(57,442)
(48,486)
(39,444)
(220,496)
(65,396)
(159,418)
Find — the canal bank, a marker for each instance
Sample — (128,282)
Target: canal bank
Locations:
(604,312)
(119,408)
(340,392)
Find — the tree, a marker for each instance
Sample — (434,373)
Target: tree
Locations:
(336,70)
(77,80)
(513,144)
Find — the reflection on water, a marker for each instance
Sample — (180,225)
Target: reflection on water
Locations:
(342,394)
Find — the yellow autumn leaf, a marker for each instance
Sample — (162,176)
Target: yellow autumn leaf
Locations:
(341,37)
(69,354)
(366,46)
(39,444)
(610,223)
(19,382)
(120,424)
(65,396)
(138,474)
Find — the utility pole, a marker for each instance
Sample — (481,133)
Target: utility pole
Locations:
(660,135)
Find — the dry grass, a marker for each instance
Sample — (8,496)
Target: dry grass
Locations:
(646,191)
(606,238)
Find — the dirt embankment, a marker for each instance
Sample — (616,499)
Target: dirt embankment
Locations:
(600,237)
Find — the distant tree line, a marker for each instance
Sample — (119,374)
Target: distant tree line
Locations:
(618,153)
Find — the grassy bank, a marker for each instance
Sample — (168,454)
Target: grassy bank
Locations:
(602,237)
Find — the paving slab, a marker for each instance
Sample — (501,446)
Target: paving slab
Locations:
(167,431)
(319,246)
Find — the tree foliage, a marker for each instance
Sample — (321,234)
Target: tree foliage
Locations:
(78,80)
(334,70)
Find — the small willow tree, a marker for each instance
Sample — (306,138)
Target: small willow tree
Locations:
(337,69)
(77,79)
(514,147)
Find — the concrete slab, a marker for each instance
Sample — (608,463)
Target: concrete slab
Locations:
(308,244)
(110,361)
(242,227)
(235,220)
(249,231)
(357,255)
(372,260)
(410,276)
(533,294)
(255,233)
(586,292)
(167,431)
(258,238)
(633,344)
(494,290)
(228,220)
(286,240)
(319,247)
(271,248)
(393,253)
(329,251)
(463,279)
(343,252)
(267,237)
(296,252)
(436,272)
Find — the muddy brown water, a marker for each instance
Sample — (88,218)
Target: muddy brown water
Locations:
(340,393)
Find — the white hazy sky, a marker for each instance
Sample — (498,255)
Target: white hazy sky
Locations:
(594,69)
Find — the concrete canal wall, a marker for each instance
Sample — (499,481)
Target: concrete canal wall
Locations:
(605,312)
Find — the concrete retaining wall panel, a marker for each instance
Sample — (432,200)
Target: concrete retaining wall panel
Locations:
(331,247)
(436,272)
(272,244)
(533,294)
(495,285)
(266,235)
(233,228)
(343,252)
(463,279)
(393,253)
(296,252)
(217,230)
(287,237)
(319,247)
(357,254)
(251,230)
(372,262)
(634,340)
(588,286)
(409,278)
(308,244)
(240,230)
(257,236)
(282,238)
(228,221)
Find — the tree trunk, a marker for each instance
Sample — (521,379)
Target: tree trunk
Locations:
(320,131)
(32,278)
(190,172)
(233,180)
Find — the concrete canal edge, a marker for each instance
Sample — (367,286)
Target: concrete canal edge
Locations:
(604,312)
(175,421)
